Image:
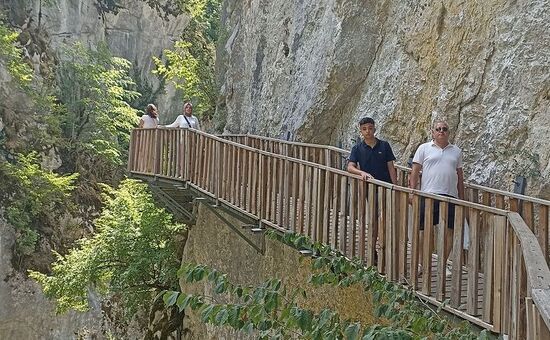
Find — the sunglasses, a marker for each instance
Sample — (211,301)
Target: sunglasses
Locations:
(442,129)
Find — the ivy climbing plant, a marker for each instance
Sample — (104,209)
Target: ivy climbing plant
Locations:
(273,310)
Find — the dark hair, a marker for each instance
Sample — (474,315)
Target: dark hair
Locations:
(366,120)
(151,111)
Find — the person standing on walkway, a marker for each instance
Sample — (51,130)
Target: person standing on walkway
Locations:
(372,157)
(187,119)
(441,165)
(150,119)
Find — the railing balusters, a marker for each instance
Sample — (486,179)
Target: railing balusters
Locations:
(441,249)
(353,216)
(488,271)
(402,220)
(456,254)
(415,242)
(281,191)
(315,205)
(372,221)
(342,210)
(335,212)
(473,264)
(428,244)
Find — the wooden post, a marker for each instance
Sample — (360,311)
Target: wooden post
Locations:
(542,230)
(343,216)
(473,264)
(488,271)
(372,223)
(415,233)
(362,211)
(353,217)
(327,206)
(499,232)
(441,260)
(321,205)
(428,246)
(458,239)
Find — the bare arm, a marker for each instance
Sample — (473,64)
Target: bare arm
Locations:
(393,173)
(352,168)
(176,123)
(460,184)
(415,175)
(141,122)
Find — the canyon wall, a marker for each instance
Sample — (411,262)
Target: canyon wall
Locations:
(311,69)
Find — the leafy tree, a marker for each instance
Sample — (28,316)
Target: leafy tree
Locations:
(33,198)
(11,56)
(134,253)
(94,90)
(190,65)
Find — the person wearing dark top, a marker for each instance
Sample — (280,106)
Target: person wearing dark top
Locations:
(372,157)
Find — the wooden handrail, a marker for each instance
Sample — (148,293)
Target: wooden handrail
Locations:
(532,271)
(534,211)
(368,219)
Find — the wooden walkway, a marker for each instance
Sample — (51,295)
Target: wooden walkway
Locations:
(501,282)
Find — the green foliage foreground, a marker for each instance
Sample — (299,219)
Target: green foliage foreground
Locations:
(273,310)
(134,253)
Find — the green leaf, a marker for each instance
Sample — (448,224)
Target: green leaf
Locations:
(170,298)
(206,312)
(304,320)
(222,316)
(352,331)
(184,301)
(220,287)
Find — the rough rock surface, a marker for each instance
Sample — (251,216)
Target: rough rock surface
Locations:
(26,314)
(211,242)
(137,32)
(313,68)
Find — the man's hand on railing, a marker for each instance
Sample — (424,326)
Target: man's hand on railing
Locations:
(365,175)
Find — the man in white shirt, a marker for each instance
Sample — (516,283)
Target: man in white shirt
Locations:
(441,165)
(187,119)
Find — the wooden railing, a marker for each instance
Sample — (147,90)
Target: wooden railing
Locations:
(502,286)
(534,211)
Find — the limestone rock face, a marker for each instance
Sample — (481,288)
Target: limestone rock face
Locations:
(26,314)
(137,32)
(312,69)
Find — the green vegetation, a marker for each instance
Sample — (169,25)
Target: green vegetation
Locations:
(34,199)
(134,254)
(94,88)
(272,310)
(11,56)
(190,65)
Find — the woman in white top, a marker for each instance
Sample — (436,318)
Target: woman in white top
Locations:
(186,120)
(150,120)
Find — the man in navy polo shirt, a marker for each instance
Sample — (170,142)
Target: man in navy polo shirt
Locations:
(374,156)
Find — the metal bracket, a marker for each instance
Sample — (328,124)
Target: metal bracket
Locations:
(214,209)
(173,205)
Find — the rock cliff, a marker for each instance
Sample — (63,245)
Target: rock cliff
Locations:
(24,311)
(134,31)
(313,68)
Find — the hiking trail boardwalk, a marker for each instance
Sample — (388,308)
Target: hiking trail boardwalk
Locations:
(500,282)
